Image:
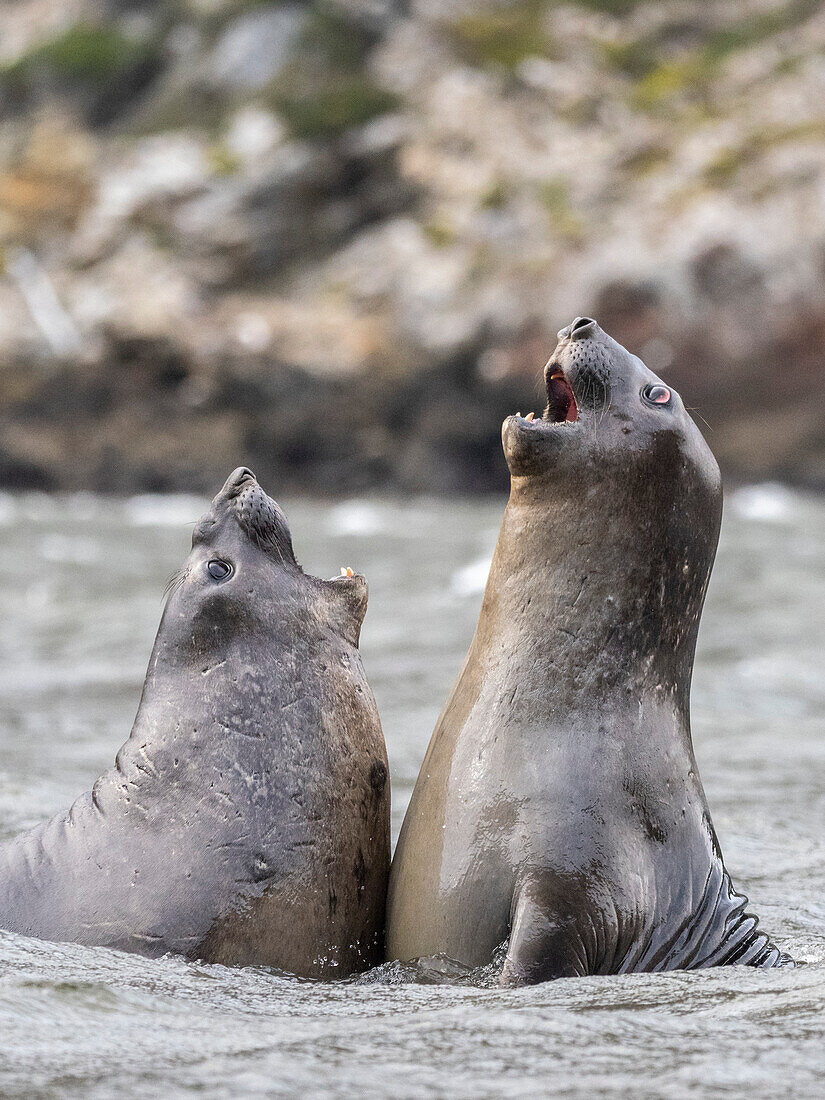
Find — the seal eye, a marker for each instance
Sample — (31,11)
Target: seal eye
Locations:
(218,570)
(657,395)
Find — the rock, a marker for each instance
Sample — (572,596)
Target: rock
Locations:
(252,136)
(249,213)
(254,48)
(301,201)
(161,169)
(46,182)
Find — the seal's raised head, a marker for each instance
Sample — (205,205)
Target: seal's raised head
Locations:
(608,421)
(616,471)
(241,577)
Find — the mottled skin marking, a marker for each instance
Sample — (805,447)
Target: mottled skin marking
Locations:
(559,805)
(241,822)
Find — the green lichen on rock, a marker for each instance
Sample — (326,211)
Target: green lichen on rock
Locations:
(725,166)
(440,234)
(348,100)
(647,159)
(662,75)
(93,53)
(496,196)
(554,195)
(502,37)
(751,30)
(610,7)
(326,89)
(677,63)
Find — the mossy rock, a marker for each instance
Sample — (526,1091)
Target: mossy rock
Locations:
(501,38)
(338,104)
(95,63)
(84,52)
(327,89)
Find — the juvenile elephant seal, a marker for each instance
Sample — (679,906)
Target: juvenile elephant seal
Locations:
(246,819)
(559,804)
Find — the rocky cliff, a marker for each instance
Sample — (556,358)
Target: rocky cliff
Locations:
(334,240)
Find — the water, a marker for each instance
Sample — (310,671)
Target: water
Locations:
(82,599)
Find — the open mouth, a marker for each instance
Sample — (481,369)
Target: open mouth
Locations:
(561,401)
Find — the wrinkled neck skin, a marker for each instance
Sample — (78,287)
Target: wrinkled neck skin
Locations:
(607,598)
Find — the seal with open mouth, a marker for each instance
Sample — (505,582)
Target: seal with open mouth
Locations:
(246,819)
(559,804)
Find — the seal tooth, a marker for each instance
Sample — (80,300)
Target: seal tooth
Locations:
(530,416)
(346,571)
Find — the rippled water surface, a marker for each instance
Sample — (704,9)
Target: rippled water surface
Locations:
(82,599)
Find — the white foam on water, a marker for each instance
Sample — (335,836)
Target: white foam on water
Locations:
(471,580)
(765,503)
(356,517)
(163,510)
(62,548)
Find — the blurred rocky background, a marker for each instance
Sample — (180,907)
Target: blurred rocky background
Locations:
(335,240)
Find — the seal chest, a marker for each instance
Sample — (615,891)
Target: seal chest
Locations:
(246,820)
(559,806)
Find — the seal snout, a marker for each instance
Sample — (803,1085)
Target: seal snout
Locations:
(236,481)
(257,514)
(261,518)
(580,329)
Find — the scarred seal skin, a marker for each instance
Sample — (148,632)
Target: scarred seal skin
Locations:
(559,805)
(246,819)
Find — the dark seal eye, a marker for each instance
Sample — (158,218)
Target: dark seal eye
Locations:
(656,395)
(218,570)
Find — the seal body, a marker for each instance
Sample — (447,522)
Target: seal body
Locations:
(559,805)
(246,819)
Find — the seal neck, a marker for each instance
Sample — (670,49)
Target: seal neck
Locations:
(607,600)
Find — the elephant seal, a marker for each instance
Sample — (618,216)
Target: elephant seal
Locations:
(559,804)
(246,819)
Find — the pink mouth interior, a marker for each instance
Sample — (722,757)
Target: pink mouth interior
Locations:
(561,401)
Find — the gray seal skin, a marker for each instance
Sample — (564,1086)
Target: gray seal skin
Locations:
(246,819)
(559,805)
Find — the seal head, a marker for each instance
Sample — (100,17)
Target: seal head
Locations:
(617,464)
(242,574)
(607,414)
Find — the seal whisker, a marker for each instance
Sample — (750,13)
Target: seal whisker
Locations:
(693,408)
(174,583)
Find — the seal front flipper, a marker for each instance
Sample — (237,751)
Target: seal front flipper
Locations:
(719,932)
(546,939)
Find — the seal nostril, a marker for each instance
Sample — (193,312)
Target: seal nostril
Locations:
(237,480)
(581,327)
